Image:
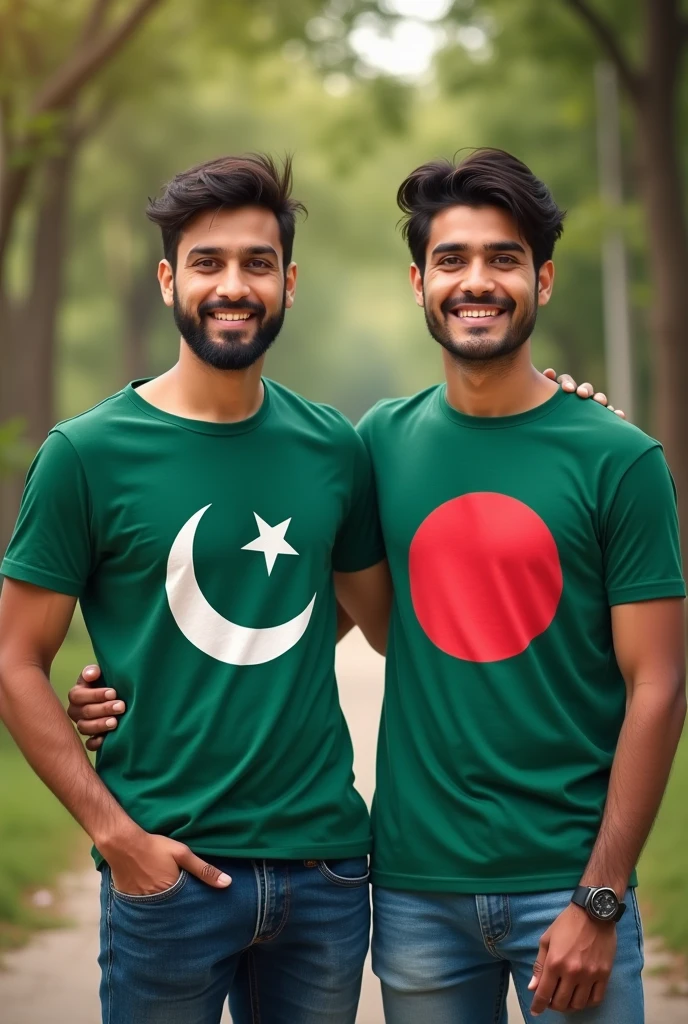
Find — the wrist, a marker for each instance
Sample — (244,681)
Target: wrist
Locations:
(619,885)
(600,903)
(120,834)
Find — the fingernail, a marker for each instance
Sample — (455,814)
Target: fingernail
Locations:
(118,705)
(224,880)
(110,694)
(90,671)
(111,723)
(567,387)
(531,982)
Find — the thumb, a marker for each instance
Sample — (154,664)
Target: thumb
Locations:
(539,964)
(201,869)
(549,372)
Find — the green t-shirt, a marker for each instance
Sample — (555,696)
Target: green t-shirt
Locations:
(508,540)
(202,555)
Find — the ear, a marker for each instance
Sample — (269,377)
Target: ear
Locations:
(545,282)
(166,282)
(416,279)
(290,284)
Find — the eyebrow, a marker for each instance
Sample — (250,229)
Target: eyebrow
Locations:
(218,250)
(509,246)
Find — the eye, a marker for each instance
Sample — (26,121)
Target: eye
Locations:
(206,264)
(258,264)
(504,260)
(451,261)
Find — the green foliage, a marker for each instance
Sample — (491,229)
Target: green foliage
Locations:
(663,882)
(37,835)
(15,452)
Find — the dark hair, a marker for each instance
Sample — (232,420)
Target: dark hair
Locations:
(486,177)
(228,182)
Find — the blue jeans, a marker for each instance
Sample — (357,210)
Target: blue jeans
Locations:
(445,958)
(286,942)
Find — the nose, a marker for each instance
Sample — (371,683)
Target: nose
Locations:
(476,278)
(233,285)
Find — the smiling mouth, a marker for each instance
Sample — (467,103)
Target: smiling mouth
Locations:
(231,317)
(477,312)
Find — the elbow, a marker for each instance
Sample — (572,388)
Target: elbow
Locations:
(379,645)
(681,703)
(13,679)
(663,700)
(5,675)
(680,697)
(675,703)
(375,633)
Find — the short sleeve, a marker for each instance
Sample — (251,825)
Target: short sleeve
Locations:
(642,553)
(51,544)
(359,542)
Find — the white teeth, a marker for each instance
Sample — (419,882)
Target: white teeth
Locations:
(231,316)
(478,312)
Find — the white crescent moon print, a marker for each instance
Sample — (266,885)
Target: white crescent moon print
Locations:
(209,631)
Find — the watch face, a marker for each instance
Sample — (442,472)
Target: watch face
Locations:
(604,904)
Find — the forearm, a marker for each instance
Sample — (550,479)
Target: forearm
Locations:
(365,599)
(645,751)
(36,720)
(344,623)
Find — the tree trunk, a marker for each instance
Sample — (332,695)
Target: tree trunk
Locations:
(42,306)
(662,191)
(140,300)
(10,406)
(30,327)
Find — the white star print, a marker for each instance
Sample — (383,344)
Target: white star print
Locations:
(270,541)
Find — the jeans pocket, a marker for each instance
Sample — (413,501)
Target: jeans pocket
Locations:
(153,897)
(349,873)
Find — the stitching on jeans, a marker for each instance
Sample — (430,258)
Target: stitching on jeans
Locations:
(287,905)
(638,926)
(155,897)
(259,895)
(346,883)
(506,909)
(108,919)
(487,940)
(266,901)
(253,988)
(501,994)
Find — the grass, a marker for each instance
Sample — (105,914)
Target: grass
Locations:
(38,838)
(663,870)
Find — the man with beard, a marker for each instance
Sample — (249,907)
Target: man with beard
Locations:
(199,518)
(535,687)
(234,746)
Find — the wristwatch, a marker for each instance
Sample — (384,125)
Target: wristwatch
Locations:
(601,903)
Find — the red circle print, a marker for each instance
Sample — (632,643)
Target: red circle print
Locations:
(485,576)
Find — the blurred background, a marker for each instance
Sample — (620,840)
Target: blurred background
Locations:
(101,101)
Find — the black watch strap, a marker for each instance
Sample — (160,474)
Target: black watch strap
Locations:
(581,896)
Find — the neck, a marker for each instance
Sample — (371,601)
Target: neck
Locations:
(194,390)
(496,387)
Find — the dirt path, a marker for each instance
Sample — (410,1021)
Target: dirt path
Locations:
(56,977)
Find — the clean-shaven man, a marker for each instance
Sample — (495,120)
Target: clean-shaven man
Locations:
(199,519)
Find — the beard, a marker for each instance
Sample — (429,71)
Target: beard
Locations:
(226,350)
(481,347)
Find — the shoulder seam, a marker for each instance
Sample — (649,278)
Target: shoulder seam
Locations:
(79,415)
(91,502)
